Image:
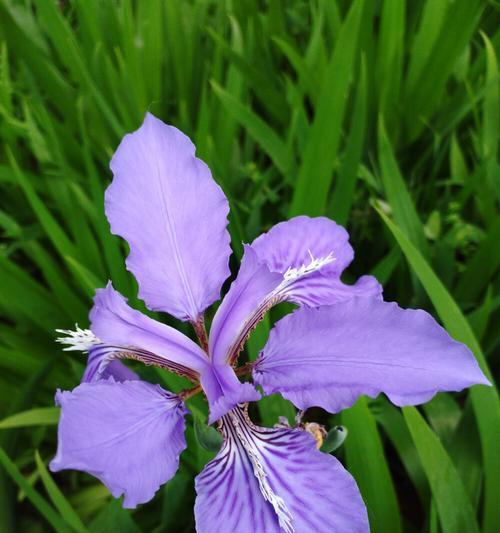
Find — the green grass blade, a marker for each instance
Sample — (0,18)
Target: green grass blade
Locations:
(390,55)
(397,193)
(453,505)
(57,497)
(40,416)
(270,142)
(36,499)
(345,184)
(391,420)
(481,267)
(48,222)
(315,171)
(485,400)
(368,465)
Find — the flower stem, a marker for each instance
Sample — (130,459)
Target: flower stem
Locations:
(187,393)
(245,369)
(201,332)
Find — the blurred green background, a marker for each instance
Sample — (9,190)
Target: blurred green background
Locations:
(383,115)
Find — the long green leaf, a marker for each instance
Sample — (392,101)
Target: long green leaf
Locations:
(40,416)
(397,193)
(453,505)
(485,400)
(258,130)
(315,171)
(36,499)
(57,497)
(367,463)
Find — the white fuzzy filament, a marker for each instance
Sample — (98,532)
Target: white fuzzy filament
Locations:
(78,339)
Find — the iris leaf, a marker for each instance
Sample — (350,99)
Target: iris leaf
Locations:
(485,400)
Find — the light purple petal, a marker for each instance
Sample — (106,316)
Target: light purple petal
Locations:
(171,212)
(290,244)
(329,356)
(126,333)
(312,253)
(115,369)
(129,435)
(300,261)
(224,391)
(262,477)
(243,306)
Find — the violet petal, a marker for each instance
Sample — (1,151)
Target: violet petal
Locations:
(129,435)
(329,356)
(126,333)
(275,481)
(165,204)
(300,261)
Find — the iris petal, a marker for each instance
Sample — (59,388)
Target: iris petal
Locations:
(129,435)
(329,356)
(159,195)
(301,261)
(224,391)
(275,481)
(125,333)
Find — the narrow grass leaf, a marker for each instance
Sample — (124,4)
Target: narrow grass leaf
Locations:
(453,505)
(40,416)
(36,499)
(485,400)
(345,184)
(368,465)
(320,154)
(397,193)
(57,497)
(263,135)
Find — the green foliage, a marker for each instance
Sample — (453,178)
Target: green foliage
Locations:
(382,115)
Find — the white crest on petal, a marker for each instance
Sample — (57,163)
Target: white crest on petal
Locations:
(313,265)
(279,294)
(239,417)
(77,339)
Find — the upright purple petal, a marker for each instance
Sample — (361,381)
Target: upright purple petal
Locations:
(124,332)
(275,481)
(300,261)
(242,308)
(165,204)
(129,435)
(329,356)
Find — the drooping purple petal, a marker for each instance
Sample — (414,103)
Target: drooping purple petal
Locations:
(129,435)
(165,204)
(224,390)
(300,261)
(125,333)
(275,481)
(329,356)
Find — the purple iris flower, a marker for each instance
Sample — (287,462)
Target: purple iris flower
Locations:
(342,341)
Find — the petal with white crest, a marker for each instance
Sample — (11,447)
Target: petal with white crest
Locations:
(275,481)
